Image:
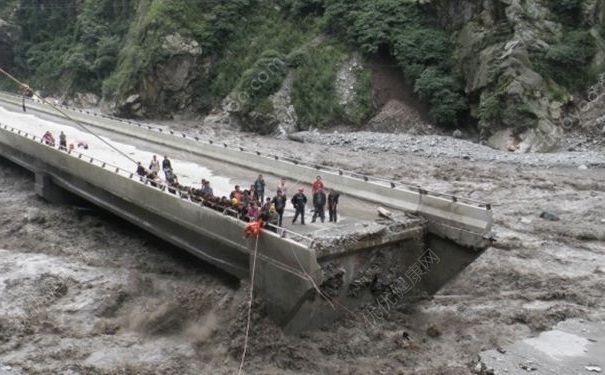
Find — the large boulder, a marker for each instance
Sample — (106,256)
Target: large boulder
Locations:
(173,86)
(131,107)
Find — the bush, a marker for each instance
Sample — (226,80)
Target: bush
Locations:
(77,43)
(489,109)
(446,106)
(261,80)
(564,61)
(421,47)
(297,58)
(441,90)
(568,11)
(265,30)
(313,91)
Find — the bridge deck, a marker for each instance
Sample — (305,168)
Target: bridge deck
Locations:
(190,168)
(449,215)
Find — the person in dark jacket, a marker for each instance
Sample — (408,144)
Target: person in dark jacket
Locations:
(319,204)
(166,164)
(299,201)
(259,186)
(206,190)
(279,201)
(141,171)
(62,142)
(333,205)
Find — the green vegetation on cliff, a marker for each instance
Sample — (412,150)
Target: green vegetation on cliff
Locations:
(110,47)
(64,47)
(175,55)
(314,95)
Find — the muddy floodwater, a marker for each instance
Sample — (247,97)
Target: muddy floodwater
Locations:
(83,292)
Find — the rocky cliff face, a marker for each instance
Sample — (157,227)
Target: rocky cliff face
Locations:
(516,106)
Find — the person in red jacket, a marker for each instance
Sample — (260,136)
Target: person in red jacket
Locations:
(48,138)
(318,184)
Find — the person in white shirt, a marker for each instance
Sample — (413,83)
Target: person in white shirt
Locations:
(283,187)
(154,166)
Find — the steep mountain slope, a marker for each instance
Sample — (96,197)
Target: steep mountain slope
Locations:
(509,67)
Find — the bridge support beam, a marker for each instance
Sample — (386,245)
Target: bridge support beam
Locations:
(50,192)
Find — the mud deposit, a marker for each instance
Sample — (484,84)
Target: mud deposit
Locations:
(82,292)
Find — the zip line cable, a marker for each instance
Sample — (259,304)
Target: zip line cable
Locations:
(80,124)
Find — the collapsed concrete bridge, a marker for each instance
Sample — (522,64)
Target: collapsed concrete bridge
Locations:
(299,276)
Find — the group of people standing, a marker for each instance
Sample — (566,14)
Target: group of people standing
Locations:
(153,172)
(250,204)
(253,204)
(320,200)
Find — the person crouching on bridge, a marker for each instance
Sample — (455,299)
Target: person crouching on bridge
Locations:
(299,201)
(271,218)
(48,139)
(206,190)
(170,176)
(266,206)
(319,205)
(253,212)
(237,193)
(62,142)
(141,171)
(153,179)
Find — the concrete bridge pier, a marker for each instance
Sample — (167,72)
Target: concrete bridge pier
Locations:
(48,190)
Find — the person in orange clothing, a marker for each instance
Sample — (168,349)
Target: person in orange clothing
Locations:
(254,228)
